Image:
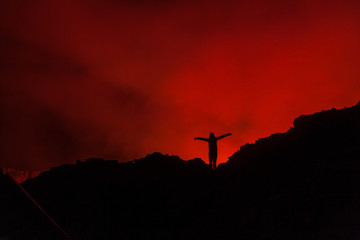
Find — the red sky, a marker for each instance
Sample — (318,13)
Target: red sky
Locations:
(121,79)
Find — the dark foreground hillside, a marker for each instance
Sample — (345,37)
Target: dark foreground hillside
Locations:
(302,184)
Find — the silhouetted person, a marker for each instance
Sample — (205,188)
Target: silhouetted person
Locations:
(212,140)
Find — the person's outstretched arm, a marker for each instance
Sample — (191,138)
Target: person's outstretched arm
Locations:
(222,136)
(202,139)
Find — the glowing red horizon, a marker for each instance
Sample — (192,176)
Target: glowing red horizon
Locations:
(121,79)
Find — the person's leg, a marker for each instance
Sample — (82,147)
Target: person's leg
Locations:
(210,161)
(214,162)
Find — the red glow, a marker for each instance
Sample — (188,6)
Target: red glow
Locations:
(119,79)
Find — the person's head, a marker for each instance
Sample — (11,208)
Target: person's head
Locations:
(212,135)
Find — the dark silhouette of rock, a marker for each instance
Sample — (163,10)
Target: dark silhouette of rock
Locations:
(20,217)
(307,178)
(302,184)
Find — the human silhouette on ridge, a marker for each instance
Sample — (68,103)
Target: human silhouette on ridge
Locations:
(212,140)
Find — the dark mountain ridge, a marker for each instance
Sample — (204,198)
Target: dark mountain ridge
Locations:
(302,184)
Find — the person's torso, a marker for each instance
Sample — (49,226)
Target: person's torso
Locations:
(212,145)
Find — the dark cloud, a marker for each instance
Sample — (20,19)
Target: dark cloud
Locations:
(38,87)
(23,60)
